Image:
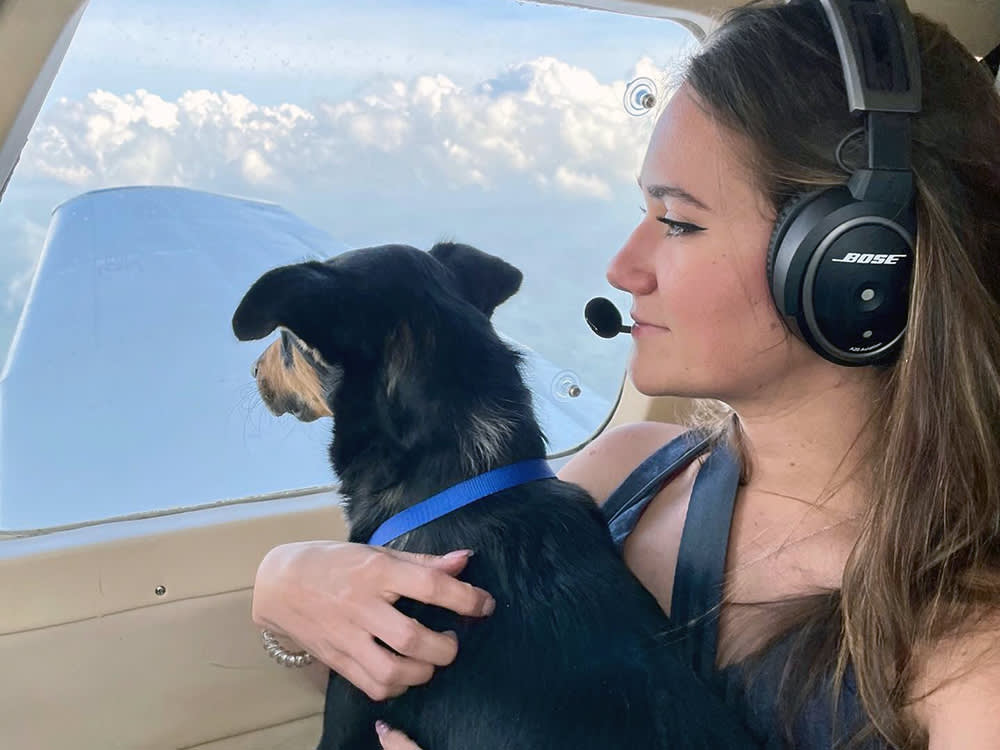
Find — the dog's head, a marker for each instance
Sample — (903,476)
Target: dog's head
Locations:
(368,313)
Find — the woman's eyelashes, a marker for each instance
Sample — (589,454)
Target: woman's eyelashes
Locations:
(679,228)
(676,228)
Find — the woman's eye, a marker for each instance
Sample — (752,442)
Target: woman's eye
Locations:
(679,228)
(675,228)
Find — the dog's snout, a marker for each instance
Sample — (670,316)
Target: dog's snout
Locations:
(254,367)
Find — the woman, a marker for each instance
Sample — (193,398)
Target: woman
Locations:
(861,557)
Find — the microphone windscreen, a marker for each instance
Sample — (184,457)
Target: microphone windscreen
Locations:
(603,317)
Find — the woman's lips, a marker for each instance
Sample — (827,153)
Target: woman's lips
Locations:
(640,326)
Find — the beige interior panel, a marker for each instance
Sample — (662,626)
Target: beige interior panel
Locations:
(294,735)
(107,568)
(167,676)
(93,658)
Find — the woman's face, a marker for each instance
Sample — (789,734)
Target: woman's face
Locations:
(705,325)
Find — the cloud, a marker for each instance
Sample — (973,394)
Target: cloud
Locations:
(545,121)
(582,184)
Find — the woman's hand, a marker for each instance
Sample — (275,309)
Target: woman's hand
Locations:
(393,739)
(335,598)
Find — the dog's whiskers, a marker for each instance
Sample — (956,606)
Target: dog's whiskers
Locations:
(251,403)
(244,401)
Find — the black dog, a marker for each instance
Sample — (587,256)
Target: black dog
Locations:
(396,344)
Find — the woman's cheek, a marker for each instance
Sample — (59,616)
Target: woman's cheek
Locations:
(704,298)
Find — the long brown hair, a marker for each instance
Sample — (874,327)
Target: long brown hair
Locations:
(927,562)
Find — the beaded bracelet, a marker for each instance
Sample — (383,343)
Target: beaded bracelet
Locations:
(280,655)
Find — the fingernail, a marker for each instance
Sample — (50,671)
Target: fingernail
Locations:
(461,553)
(381,728)
(489,606)
(451,634)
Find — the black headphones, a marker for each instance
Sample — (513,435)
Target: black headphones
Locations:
(840,259)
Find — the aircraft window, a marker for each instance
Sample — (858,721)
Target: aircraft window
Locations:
(184,148)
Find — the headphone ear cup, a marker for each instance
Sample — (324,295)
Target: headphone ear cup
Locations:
(839,272)
(786,214)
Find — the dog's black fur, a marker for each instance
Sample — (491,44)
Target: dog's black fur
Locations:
(424,394)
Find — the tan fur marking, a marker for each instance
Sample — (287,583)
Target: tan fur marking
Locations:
(300,379)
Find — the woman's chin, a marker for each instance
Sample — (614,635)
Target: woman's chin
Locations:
(655,383)
(651,385)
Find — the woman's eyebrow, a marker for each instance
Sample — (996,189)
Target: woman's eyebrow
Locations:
(661,191)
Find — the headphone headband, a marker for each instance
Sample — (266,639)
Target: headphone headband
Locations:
(878,51)
(877,43)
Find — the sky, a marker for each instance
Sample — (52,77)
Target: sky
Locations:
(492,122)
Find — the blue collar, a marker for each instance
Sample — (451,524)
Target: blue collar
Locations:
(459,495)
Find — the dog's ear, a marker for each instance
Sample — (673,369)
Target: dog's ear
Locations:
(294,297)
(484,280)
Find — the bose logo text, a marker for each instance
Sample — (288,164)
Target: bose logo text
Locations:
(872,258)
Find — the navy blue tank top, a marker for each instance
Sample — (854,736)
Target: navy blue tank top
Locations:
(698,591)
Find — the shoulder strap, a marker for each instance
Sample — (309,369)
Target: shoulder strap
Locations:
(701,559)
(660,467)
(624,506)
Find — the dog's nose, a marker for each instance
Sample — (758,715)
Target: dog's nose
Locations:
(253,369)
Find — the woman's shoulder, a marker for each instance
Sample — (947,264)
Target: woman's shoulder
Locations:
(604,463)
(957,689)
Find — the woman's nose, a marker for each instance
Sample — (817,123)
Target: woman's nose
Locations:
(629,268)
